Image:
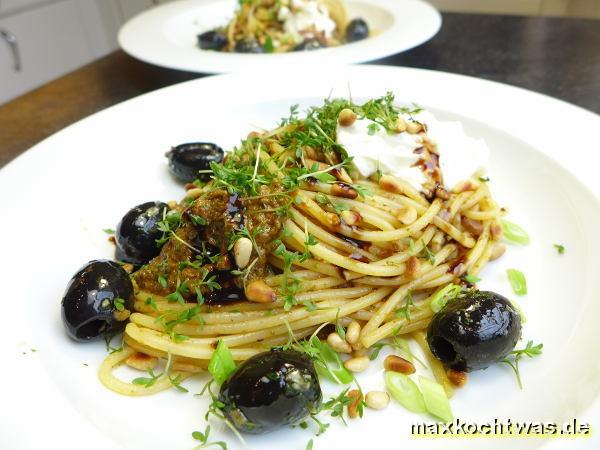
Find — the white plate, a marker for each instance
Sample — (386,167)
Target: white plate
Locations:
(166,35)
(57,198)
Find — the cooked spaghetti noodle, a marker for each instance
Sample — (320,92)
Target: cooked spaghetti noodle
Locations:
(326,246)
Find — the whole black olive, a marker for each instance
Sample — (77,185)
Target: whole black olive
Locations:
(138,231)
(212,40)
(357,30)
(271,390)
(186,160)
(309,44)
(474,330)
(248,45)
(95,301)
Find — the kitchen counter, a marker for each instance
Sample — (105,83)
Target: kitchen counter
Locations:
(558,57)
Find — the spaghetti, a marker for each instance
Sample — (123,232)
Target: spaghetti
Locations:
(324,245)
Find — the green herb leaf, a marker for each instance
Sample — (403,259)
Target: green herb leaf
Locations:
(119,304)
(221,364)
(512,360)
(517,281)
(514,233)
(269,47)
(108,230)
(309,446)
(559,248)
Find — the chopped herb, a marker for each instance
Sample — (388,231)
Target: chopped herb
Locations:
(197,220)
(339,328)
(151,302)
(147,381)
(517,281)
(309,445)
(513,358)
(268,46)
(162,281)
(108,230)
(427,254)
(559,248)
(484,179)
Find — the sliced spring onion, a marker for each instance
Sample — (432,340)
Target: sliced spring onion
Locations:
(435,398)
(517,281)
(221,364)
(405,391)
(443,296)
(514,233)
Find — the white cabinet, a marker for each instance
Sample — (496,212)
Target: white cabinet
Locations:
(50,39)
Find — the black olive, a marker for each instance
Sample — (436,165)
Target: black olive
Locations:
(474,330)
(271,390)
(248,45)
(186,160)
(94,297)
(212,40)
(309,44)
(357,30)
(138,231)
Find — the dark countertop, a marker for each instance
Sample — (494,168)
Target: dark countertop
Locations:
(558,57)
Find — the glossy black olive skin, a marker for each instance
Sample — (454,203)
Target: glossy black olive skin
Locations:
(186,160)
(212,40)
(474,330)
(137,232)
(271,390)
(248,45)
(357,30)
(88,305)
(309,44)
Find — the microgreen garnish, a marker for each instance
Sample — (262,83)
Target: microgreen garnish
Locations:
(427,254)
(337,207)
(513,358)
(204,442)
(484,179)
(443,296)
(405,310)
(559,248)
(108,230)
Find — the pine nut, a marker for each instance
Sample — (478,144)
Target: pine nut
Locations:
(377,399)
(358,345)
(496,231)
(398,364)
(407,215)
(343,190)
(413,265)
(400,125)
(343,176)
(391,184)
(497,251)
(473,226)
(346,117)
(260,292)
(360,352)
(338,344)
(357,365)
(353,332)
(242,250)
(458,378)
(442,193)
(414,127)
(353,407)
(141,361)
(350,217)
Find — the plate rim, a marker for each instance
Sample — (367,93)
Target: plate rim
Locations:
(215,62)
(552,105)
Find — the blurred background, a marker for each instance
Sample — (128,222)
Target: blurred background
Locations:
(31,31)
